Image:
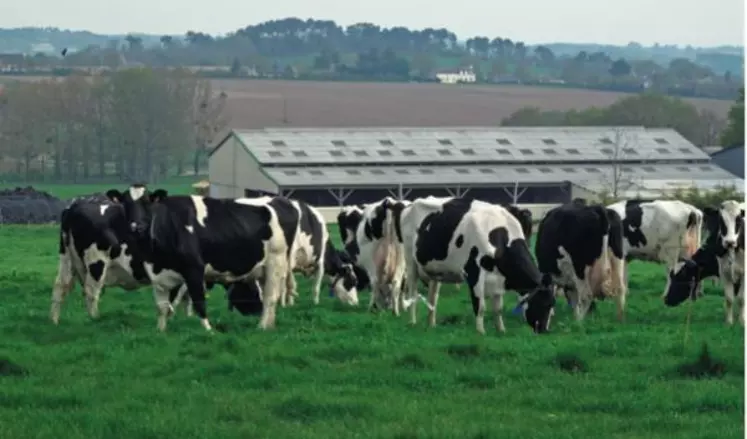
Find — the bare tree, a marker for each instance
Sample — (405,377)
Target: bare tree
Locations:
(622,148)
(208,118)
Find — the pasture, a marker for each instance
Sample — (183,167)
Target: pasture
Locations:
(333,371)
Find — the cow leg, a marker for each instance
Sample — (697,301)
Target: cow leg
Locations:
(433,288)
(619,269)
(180,295)
(275,269)
(741,301)
(729,302)
(478,306)
(163,305)
(318,277)
(62,286)
(94,282)
(498,310)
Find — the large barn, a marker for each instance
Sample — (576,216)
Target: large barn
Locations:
(537,165)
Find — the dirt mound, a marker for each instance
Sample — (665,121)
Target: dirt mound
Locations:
(29,206)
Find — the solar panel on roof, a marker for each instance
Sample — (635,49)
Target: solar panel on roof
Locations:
(468,151)
(592,170)
(661,141)
(487,171)
(549,141)
(683,168)
(300,153)
(569,170)
(408,152)
(443,151)
(503,141)
(275,153)
(445,142)
(353,171)
(607,151)
(662,150)
(377,172)
(461,171)
(630,151)
(316,172)
(522,170)
(339,143)
(605,140)
(526,151)
(290,172)
(402,171)
(335,153)
(502,151)
(384,152)
(426,171)
(386,143)
(277,143)
(360,153)
(545,170)
(573,151)
(549,151)
(686,150)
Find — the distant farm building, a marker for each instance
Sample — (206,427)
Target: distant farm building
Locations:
(334,167)
(456,76)
(731,159)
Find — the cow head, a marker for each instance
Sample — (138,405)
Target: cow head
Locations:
(682,282)
(539,306)
(137,202)
(725,224)
(525,219)
(344,285)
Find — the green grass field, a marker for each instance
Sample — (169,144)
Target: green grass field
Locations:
(330,371)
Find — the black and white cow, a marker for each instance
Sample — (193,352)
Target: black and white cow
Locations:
(722,256)
(95,251)
(380,259)
(662,231)
(457,240)
(312,252)
(347,222)
(580,246)
(524,216)
(194,239)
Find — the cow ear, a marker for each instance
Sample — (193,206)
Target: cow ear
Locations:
(114,195)
(158,195)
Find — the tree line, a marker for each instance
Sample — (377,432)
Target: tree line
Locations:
(322,49)
(138,124)
(650,110)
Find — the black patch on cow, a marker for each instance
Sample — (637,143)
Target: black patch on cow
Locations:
(437,229)
(632,224)
(577,228)
(472,276)
(682,284)
(245,298)
(524,216)
(459,241)
(349,221)
(289,218)
(96,270)
(310,225)
(692,220)
(615,240)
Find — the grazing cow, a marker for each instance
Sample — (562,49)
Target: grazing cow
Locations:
(313,252)
(245,297)
(659,230)
(457,240)
(721,255)
(580,246)
(95,251)
(381,260)
(191,239)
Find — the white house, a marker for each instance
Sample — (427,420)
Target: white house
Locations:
(460,75)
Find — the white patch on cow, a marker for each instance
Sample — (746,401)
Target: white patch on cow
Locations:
(201,212)
(190,229)
(732,264)
(103,208)
(136,192)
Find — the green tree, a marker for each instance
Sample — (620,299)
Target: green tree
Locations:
(733,135)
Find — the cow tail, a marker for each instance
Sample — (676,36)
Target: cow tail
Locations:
(64,229)
(601,269)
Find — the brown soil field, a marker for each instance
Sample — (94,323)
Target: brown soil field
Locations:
(259,103)
(265,103)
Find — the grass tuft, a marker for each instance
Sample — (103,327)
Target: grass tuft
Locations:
(704,366)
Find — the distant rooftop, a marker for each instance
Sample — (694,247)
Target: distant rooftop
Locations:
(397,145)
(414,175)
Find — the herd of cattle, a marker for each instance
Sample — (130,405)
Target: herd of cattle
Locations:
(183,245)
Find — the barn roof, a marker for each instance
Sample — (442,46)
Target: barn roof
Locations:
(413,175)
(450,146)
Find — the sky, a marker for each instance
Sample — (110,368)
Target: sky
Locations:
(682,22)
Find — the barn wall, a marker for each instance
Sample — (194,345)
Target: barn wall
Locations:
(233,171)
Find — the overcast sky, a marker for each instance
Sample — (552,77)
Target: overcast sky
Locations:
(695,22)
